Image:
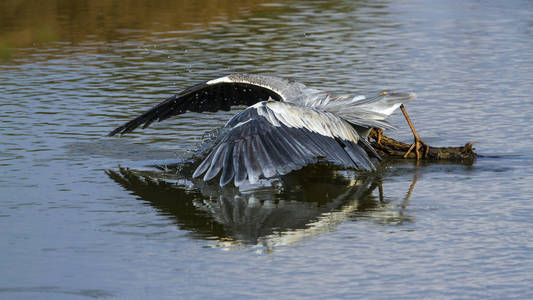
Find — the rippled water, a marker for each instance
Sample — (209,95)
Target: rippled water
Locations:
(84,215)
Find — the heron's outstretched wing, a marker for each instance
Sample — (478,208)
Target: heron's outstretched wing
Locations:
(218,94)
(274,138)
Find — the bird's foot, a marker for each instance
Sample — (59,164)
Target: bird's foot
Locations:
(416,146)
(376,134)
(379,135)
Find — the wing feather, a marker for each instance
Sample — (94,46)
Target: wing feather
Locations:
(238,163)
(263,157)
(288,142)
(278,154)
(227,166)
(218,94)
(358,156)
(257,146)
(216,162)
(204,165)
(251,164)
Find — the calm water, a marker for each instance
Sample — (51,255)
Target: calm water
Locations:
(83,215)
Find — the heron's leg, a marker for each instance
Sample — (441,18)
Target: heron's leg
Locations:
(376,134)
(418,142)
(379,135)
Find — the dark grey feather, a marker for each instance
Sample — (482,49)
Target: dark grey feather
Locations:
(227,166)
(358,156)
(250,162)
(204,97)
(263,158)
(216,162)
(204,165)
(238,163)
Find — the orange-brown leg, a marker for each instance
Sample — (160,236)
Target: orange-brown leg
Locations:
(379,134)
(375,134)
(418,142)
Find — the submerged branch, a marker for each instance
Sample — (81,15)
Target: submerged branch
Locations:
(390,148)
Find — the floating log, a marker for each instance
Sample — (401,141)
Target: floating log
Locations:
(391,148)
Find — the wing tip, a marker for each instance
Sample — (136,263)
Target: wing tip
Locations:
(115,131)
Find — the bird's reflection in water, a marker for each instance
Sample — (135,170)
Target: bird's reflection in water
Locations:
(302,204)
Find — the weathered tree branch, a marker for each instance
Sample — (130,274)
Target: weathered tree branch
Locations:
(390,148)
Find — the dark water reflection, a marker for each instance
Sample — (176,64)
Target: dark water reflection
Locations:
(303,204)
(70,71)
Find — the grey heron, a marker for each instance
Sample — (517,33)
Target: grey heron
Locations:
(285,126)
